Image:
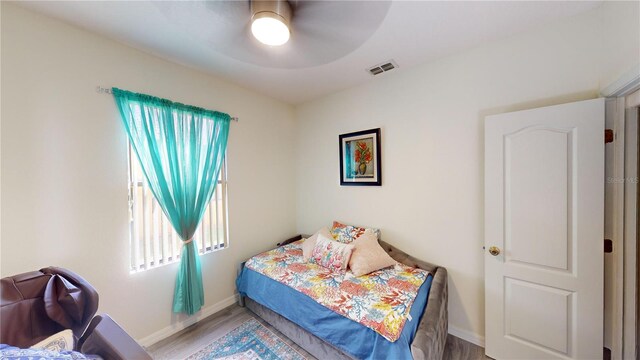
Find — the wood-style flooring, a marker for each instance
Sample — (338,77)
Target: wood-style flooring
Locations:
(193,338)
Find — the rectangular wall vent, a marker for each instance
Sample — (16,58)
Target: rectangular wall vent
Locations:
(382,67)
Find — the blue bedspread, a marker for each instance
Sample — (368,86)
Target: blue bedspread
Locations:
(343,333)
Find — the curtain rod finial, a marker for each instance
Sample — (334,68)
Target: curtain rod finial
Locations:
(101,90)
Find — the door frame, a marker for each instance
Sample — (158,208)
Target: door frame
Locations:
(625,214)
(630,315)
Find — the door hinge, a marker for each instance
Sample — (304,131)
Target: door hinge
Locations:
(608,246)
(608,136)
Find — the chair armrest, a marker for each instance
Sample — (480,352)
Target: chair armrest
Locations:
(104,337)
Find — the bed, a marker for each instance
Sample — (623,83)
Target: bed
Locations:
(328,335)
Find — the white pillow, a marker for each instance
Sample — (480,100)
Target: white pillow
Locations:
(310,243)
(57,342)
(331,254)
(368,256)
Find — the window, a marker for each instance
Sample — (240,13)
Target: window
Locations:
(153,241)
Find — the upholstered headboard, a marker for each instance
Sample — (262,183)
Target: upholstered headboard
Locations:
(403,257)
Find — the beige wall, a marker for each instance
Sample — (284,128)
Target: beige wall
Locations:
(63,170)
(621,39)
(431,201)
(64,165)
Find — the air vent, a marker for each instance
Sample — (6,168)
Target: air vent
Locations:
(383,67)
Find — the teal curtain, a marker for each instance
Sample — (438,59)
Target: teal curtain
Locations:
(181,149)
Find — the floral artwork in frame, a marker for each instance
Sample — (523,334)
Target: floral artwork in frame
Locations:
(360,158)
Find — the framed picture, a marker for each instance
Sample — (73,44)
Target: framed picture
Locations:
(360,158)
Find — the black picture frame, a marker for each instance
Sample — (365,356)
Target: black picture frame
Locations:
(360,158)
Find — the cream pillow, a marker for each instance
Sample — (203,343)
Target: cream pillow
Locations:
(310,243)
(368,256)
(57,342)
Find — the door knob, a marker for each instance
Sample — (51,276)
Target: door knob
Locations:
(494,250)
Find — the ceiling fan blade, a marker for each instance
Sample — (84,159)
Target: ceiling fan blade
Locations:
(321,31)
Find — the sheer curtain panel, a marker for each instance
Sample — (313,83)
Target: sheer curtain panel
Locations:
(181,149)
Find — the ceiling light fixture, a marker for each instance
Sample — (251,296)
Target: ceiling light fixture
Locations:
(270,21)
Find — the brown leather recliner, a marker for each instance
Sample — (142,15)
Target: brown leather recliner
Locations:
(38,304)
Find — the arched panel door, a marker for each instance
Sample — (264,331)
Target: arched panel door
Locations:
(544,214)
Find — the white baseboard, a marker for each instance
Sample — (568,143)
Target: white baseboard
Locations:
(174,328)
(467,335)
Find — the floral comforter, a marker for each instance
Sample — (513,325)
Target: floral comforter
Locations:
(380,300)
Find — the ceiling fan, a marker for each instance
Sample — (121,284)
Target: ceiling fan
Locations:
(307,32)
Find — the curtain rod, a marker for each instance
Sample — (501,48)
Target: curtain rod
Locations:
(102,90)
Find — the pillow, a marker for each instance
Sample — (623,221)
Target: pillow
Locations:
(12,352)
(331,254)
(347,233)
(310,243)
(368,256)
(57,342)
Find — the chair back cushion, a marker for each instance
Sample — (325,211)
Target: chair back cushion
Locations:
(38,304)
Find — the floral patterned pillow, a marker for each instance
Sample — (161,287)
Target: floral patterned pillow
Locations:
(331,254)
(310,243)
(347,233)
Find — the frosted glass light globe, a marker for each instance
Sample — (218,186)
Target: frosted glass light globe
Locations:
(270,31)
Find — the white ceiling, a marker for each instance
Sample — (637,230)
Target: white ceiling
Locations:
(322,59)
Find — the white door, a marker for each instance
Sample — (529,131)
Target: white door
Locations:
(544,211)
